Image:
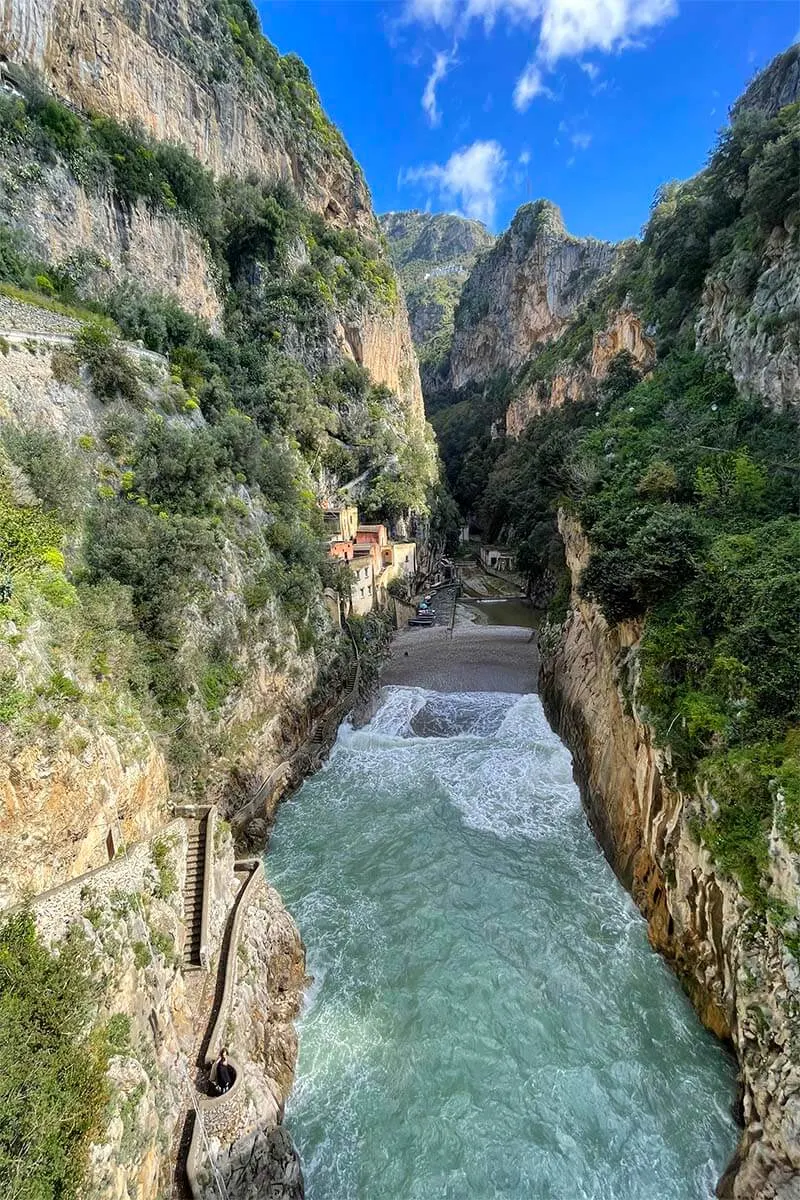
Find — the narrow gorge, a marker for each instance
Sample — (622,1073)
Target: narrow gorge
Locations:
(300,899)
(622,422)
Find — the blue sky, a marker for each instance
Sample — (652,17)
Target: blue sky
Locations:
(476,106)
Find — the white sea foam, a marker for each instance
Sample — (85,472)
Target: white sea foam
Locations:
(486,1012)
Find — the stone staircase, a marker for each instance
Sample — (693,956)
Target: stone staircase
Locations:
(325,731)
(193,890)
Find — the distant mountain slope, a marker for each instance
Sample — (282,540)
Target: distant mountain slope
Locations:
(433,254)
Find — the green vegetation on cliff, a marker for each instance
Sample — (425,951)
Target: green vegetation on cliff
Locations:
(433,254)
(53,1084)
(688,491)
(195,492)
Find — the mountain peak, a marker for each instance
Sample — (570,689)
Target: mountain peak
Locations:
(774,87)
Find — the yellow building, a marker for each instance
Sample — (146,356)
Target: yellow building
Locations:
(399,561)
(341,522)
(372,559)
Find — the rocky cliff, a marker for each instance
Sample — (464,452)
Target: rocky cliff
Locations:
(772,89)
(86,755)
(199,75)
(759,338)
(523,293)
(433,254)
(103,241)
(732,959)
(179,258)
(201,336)
(572,381)
(129,921)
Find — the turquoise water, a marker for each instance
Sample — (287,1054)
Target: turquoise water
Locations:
(486,1019)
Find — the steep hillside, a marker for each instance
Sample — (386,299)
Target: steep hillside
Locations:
(201,338)
(433,254)
(303,380)
(199,75)
(523,293)
(652,494)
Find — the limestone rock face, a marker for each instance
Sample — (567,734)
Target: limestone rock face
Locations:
(186,74)
(181,71)
(742,980)
(774,87)
(381,342)
(575,381)
(67,802)
(534,399)
(761,342)
(625,333)
(62,222)
(522,293)
(132,926)
(271,979)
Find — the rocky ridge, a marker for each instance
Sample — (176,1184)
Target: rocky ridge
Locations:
(433,254)
(523,294)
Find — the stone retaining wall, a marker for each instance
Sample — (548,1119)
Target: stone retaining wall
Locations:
(30,318)
(56,909)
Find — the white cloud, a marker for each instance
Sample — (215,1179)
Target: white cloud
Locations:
(571,27)
(564,28)
(470,178)
(581,141)
(590,69)
(529,85)
(432,12)
(524,158)
(441,65)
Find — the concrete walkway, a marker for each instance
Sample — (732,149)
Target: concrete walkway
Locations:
(19,337)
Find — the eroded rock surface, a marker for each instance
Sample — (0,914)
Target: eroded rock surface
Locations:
(761,339)
(264,1164)
(180,70)
(523,292)
(742,980)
